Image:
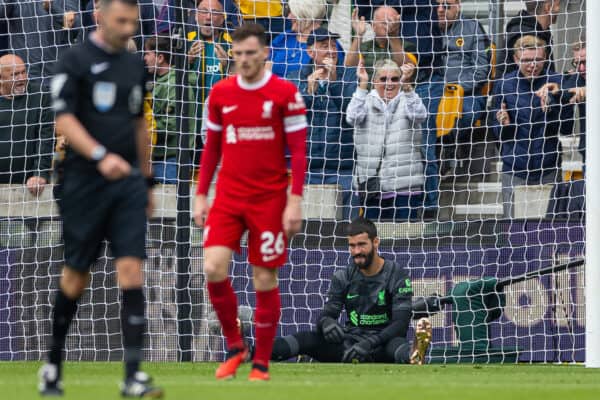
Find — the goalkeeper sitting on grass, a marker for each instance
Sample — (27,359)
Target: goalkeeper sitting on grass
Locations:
(376,294)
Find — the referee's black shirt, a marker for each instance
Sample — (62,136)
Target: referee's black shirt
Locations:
(105,92)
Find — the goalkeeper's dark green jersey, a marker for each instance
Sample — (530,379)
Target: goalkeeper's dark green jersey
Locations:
(375,305)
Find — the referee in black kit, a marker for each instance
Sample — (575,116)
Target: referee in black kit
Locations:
(105,191)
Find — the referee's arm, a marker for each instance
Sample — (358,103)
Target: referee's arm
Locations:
(112,166)
(65,95)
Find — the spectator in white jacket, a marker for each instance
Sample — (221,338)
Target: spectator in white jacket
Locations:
(388,174)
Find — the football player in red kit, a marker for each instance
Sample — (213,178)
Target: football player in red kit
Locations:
(254,118)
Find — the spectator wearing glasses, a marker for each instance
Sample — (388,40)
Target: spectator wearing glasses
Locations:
(527,125)
(573,89)
(387,135)
(208,57)
(288,50)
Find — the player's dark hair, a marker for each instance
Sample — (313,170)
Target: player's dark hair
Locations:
(362,225)
(162,45)
(249,30)
(103,3)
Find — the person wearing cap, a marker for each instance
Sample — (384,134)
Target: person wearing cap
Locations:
(288,50)
(327,89)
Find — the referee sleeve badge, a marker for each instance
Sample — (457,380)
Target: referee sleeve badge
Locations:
(135,100)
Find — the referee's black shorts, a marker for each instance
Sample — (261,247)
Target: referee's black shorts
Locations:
(94,209)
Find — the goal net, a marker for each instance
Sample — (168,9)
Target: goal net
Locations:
(477,210)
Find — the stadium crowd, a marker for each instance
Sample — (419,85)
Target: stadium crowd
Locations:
(389,115)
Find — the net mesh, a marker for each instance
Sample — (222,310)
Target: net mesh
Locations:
(459,232)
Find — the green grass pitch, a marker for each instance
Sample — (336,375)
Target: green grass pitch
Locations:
(91,381)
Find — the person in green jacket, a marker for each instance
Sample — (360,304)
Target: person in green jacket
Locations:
(157,55)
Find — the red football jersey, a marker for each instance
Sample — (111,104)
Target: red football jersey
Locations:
(253,122)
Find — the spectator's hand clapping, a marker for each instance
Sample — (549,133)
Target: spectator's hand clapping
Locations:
(408,72)
(359,26)
(330,68)
(69,19)
(363,76)
(313,79)
(222,55)
(578,95)
(195,51)
(544,93)
(502,115)
(393,27)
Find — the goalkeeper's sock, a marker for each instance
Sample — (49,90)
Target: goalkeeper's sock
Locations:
(224,302)
(132,325)
(268,311)
(64,310)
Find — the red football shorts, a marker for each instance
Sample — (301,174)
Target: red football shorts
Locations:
(229,218)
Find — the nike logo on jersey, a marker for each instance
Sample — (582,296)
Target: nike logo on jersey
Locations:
(228,109)
(100,67)
(351,296)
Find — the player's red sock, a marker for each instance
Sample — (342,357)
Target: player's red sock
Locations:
(224,302)
(266,317)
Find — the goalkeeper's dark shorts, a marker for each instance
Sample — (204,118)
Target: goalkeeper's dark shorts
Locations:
(94,209)
(314,345)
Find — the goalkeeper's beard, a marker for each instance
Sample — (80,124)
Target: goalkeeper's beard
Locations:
(367,257)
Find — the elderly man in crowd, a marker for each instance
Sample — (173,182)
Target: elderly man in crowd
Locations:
(26,128)
(386,44)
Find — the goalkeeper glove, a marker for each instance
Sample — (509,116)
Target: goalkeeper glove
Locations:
(360,352)
(332,331)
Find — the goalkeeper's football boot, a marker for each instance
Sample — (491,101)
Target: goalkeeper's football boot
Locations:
(228,368)
(141,386)
(50,384)
(258,373)
(422,341)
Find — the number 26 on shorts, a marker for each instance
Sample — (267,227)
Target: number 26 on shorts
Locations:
(271,246)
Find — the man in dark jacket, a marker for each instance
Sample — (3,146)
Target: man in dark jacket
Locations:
(526,125)
(464,60)
(534,20)
(39,31)
(26,128)
(327,89)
